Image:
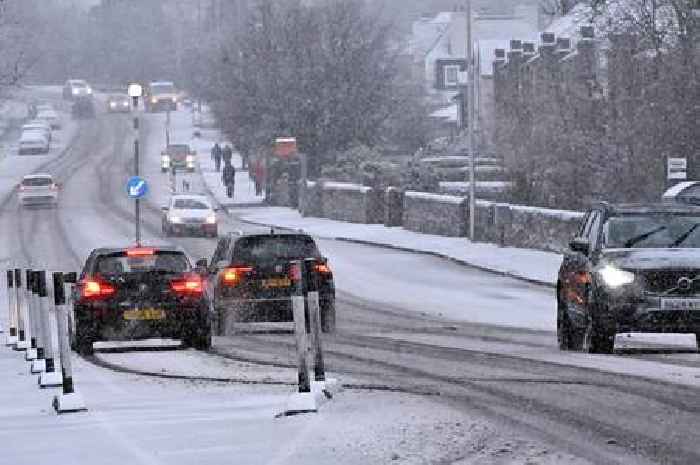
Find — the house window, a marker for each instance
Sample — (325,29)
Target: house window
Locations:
(451,75)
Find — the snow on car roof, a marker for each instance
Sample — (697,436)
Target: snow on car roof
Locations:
(191,197)
(37,176)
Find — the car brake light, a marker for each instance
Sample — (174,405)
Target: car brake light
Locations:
(96,289)
(295,272)
(191,284)
(322,268)
(234,275)
(139,252)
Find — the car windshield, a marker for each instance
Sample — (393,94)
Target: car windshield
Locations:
(179,149)
(652,231)
(37,182)
(162,89)
(160,261)
(274,248)
(190,204)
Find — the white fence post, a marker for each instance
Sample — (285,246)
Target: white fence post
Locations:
(51,377)
(39,364)
(30,313)
(22,324)
(11,310)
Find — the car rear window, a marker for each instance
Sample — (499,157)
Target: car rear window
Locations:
(164,88)
(120,262)
(190,204)
(32,182)
(274,248)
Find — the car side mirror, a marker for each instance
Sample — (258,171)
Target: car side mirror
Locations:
(581,245)
(165,208)
(201,263)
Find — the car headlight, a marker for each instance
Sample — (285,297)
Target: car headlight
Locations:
(75,91)
(175,99)
(165,159)
(175,219)
(154,100)
(190,159)
(614,277)
(125,104)
(112,104)
(211,219)
(89,90)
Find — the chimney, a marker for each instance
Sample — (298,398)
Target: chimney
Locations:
(563,47)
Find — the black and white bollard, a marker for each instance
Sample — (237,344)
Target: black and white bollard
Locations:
(51,377)
(320,386)
(30,314)
(302,401)
(22,337)
(11,309)
(39,364)
(69,400)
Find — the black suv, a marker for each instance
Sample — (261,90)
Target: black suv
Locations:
(250,278)
(630,268)
(139,293)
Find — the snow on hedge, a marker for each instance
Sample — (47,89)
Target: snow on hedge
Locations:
(345,186)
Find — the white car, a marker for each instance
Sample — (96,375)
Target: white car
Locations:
(33,142)
(75,88)
(38,189)
(40,126)
(188,214)
(50,117)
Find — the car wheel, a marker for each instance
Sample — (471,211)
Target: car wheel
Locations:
(599,338)
(328,316)
(568,337)
(82,343)
(199,338)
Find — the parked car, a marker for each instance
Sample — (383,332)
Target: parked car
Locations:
(40,126)
(251,279)
(134,293)
(38,189)
(33,142)
(631,268)
(189,214)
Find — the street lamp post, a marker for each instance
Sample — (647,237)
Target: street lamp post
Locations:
(135,92)
(470,100)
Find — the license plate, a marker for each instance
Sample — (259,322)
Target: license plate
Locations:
(277,282)
(680,304)
(144,314)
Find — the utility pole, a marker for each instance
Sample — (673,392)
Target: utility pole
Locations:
(470,100)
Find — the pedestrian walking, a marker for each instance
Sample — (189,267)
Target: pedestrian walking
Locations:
(214,150)
(228,177)
(259,176)
(227,154)
(217,159)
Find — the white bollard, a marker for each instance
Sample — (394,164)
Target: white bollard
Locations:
(50,377)
(302,401)
(69,400)
(30,315)
(11,309)
(22,331)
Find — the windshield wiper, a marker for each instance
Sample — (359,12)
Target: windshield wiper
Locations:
(680,239)
(641,237)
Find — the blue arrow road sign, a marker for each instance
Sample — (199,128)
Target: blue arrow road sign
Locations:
(136,187)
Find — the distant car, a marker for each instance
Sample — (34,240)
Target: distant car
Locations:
(178,156)
(33,142)
(75,88)
(49,116)
(684,192)
(140,293)
(631,268)
(189,214)
(83,108)
(161,95)
(118,103)
(250,278)
(40,126)
(38,189)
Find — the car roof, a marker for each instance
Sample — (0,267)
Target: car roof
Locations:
(77,81)
(115,95)
(162,83)
(190,196)
(37,175)
(275,233)
(649,208)
(160,248)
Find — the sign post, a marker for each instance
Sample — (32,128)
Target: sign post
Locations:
(136,188)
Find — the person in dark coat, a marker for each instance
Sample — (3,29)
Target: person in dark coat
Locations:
(216,156)
(228,177)
(227,154)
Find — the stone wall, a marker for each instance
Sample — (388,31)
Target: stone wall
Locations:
(444,215)
(347,202)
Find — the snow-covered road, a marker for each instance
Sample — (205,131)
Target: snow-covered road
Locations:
(484,343)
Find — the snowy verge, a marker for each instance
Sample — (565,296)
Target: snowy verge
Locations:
(533,266)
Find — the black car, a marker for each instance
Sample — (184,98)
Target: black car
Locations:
(251,278)
(631,268)
(138,293)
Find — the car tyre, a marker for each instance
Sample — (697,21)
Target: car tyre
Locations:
(568,337)
(199,339)
(328,316)
(82,343)
(599,337)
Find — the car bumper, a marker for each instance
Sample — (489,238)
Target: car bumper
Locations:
(110,324)
(33,150)
(38,199)
(201,228)
(651,315)
(263,309)
(165,104)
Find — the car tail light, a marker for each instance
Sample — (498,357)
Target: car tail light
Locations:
(140,252)
(96,289)
(322,268)
(295,272)
(189,284)
(234,275)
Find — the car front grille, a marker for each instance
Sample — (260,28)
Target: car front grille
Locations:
(666,281)
(193,220)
